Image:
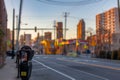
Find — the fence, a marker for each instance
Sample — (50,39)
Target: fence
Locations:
(115,55)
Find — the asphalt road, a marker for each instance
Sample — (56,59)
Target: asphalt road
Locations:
(56,67)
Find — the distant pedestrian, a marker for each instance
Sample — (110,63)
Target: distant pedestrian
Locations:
(92,53)
(13,55)
(88,51)
(78,52)
(54,51)
(64,52)
(41,51)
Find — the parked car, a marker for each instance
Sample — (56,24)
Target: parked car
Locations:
(10,53)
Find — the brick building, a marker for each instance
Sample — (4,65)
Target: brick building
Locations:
(48,35)
(3,31)
(59,29)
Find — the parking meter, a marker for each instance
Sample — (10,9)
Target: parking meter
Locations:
(25,64)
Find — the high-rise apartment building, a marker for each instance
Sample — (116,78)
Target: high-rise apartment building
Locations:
(48,35)
(59,29)
(81,30)
(107,23)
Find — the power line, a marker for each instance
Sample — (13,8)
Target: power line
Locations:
(31,16)
(12,3)
(69,3)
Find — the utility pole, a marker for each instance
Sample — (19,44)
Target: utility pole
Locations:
(54,29)
(65,15)
(19,21)
(119,11)
(13,31)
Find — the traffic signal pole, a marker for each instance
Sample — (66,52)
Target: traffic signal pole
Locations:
(42,29)
(36,29)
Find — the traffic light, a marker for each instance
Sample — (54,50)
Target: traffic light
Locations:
(35,29)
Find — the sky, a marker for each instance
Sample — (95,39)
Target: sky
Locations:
(42,15)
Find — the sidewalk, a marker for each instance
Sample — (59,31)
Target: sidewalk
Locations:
(9,71)
(88,57)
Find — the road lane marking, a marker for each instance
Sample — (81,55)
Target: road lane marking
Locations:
(65,75)
(94,75)
(39,69)
(37,57)
(97,76)
(45,57)
(96,65)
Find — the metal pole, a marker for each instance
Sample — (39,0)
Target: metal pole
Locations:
(118,2)
(54,29)
(100,34)
(65,31)
(109,41)
(65,24)
(19,21)
(13,31)
(91,38)
(24,39)
(16,26)
(38,40)
(119,13)
(42,34)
